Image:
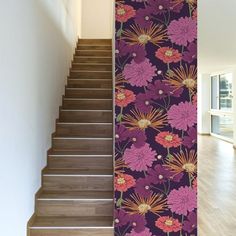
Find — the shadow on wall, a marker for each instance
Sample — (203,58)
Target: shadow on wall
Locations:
(37,42)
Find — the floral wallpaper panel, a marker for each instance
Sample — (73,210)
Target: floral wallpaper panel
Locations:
(156,118)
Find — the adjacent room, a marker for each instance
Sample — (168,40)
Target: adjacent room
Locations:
(216,118)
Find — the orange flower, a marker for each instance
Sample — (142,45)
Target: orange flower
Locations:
(124,97)
(168,55)
(168,224)
(123,182)
(168,140)
(124,13)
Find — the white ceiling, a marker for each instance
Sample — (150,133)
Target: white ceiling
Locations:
(217,35)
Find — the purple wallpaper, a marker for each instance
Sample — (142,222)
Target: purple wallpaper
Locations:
(156,117)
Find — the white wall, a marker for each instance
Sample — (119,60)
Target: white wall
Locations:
(216,38)
(97,18)
(204,123)
(37,42)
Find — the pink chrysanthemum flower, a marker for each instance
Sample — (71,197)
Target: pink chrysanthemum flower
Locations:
(139,159)
(182,116)
(182,31)
(139,74)
(182,201)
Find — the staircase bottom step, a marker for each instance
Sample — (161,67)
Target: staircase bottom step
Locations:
(71,226)
(72,232)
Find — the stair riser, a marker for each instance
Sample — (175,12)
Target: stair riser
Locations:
(87,104)
(85,116)
(94,53)
(77,93)
(91,75)
(89,183)
(91,67)
(92,60)
(95,41)
(82,144)
(79,83)
(74,208)
(94,47)
(86,130)
(90,163)
(72,232)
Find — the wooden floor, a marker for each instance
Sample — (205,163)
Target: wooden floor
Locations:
(217,187)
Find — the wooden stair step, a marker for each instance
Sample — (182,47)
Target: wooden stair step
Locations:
(95,41)
(88,116)
(48,171)
(74,203)
(92,66)
(82,143)
(89,83)
(97,130)
(87,104)
(88,93)
(88,74)
(94,47)
(94,53)
(76,152)
(75,195)
(72,226)
(80,161)
(76,179)
(86,59)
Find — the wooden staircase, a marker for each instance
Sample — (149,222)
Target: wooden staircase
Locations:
(76,197)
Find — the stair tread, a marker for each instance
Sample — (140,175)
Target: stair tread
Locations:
(88,88)
(55,136)
(87,63)
(104,221)
(76,56)
(48,171)
(74,153)
(75,195)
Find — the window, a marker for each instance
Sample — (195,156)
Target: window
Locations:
(222,92)
(222,125)
(214,92)
(222,106)
(225,92)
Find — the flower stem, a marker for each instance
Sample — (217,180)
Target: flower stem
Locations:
(190,96)
(190,11)
(168,66)
(120,200)
(169,156)
(190,180)
(168,234)
(119,117)
(119,32)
